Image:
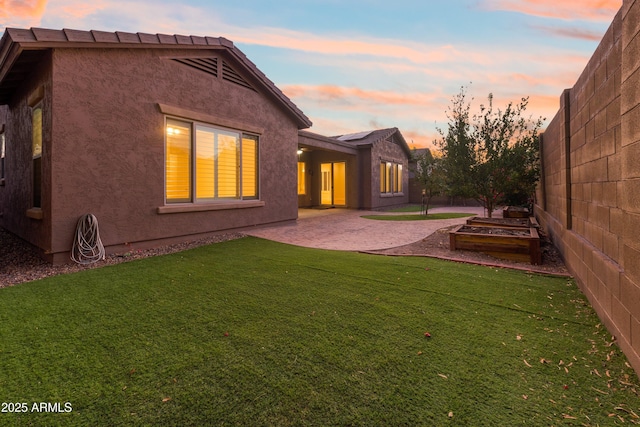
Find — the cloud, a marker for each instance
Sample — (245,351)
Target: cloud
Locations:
(574,33)
(21,13)
(348,96)
(569,10)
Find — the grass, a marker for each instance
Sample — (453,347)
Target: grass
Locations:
(409,208)
(414,217)
(252,332)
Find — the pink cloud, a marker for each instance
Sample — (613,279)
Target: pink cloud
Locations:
(18,11)
(589,10)
(349,95)
(574,33)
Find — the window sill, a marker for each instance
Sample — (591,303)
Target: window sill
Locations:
(388,195)
(35,213)
(203,207)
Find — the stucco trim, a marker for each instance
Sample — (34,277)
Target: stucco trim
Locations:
(203,207)
(208,118)
(35,213)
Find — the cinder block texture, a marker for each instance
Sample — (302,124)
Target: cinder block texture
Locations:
(601,243)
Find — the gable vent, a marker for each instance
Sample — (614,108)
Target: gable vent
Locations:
(208,65)
(230,75)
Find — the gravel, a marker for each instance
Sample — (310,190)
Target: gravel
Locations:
(19,260)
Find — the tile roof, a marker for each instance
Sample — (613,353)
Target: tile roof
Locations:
(21,48)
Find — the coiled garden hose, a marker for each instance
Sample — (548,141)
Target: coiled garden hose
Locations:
(87,246)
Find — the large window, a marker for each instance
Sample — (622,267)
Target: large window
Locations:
(205,163)
(390,178)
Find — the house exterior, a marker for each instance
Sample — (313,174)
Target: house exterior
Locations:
(163,138)
(364,170)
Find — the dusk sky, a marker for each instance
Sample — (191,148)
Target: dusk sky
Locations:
(354,65)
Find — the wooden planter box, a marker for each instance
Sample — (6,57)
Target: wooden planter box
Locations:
(515,212)
(514,244)
(503,222)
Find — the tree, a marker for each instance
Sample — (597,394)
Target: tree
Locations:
(429,173)
(493,155)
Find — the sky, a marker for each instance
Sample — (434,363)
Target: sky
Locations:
(355,65)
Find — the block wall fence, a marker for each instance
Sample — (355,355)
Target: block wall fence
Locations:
(588,200)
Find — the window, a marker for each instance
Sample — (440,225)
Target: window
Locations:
(302,184)
(2,153)
(205,163)
(36,129)
(390,178)
(397,175)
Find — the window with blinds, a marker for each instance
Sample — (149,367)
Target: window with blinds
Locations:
(209,163)
(390,178)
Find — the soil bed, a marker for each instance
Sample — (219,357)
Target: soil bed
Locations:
(503,222)
(495,230)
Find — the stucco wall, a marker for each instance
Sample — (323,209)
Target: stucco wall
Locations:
(589,197)
(107,146)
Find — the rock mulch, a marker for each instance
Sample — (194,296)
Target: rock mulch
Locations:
(20,263)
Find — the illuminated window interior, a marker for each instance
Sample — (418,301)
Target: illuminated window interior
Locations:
(390,178)
(225,164)
(36,132)
(302,181)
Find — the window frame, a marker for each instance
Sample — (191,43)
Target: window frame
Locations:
(36,157)
(3,155)
(241,136)
(391,178)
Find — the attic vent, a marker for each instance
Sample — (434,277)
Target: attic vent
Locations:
(208,65)
(230,75)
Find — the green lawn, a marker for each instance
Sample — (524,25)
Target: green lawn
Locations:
(252,332)
(417,217)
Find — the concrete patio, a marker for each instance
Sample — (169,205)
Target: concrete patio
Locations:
(345,229)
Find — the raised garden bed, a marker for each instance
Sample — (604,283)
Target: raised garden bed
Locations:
(515,212)
(503,222)
(517,244)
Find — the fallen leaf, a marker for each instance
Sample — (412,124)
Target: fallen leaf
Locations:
(543,361)
(443,376)
(166,399)
(419,353)
(525,397)
(600,391)
(133,371)
(427,335)
(596,372)
(450,414)
(568,417)
(526,363)
(518,337)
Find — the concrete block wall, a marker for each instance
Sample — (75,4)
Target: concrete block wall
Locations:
(589,196)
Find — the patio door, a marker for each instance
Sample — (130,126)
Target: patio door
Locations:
(333,186)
